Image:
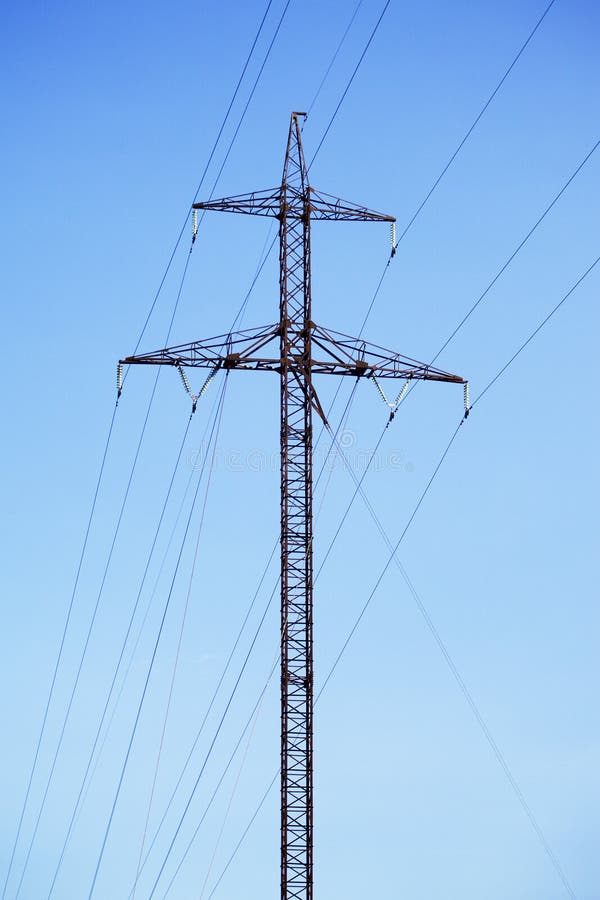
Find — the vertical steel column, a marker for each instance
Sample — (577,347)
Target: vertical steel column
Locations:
(296,526)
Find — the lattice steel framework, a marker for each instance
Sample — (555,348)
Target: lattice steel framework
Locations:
(303,350)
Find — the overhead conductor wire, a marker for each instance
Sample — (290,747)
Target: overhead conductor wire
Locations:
(120,659)
(177,655)
(36,755)
(60,651)
(216,425)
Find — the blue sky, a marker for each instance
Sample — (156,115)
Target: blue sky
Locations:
(110,112)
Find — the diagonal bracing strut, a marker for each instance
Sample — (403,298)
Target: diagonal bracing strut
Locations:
(296,348)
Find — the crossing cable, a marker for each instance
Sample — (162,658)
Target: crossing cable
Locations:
(462,142)
(60,650)
(334,57)
(210,749)
(227,812)
(177,655)
(350,80)
(341,424)
(120,659)
(535,332)
(102,583)
(252,717)
(447,166)
(204,173)
(86,644)
(503,267)
(475,122)
(215,432)
(248,101)
(427,617)
(195,463)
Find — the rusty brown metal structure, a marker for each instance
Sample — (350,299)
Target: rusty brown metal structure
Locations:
(297,349)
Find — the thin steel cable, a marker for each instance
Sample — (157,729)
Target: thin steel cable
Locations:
(232,796)
(334,57)
(475,122)
(350,80)
(209,751)
(150,602)
(60,649)
(525,343)
(510,259)
(450,662)
(177,656)
(151,664)
(120,659)
(251,95)
(100,591)
(450,161)
(251,718)
(86,642)
(203,176)
(519,247)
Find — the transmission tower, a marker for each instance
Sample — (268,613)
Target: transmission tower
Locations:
(304,349)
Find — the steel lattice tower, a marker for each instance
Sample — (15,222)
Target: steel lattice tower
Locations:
(305,349)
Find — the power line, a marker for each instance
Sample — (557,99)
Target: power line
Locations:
(177,655)
(536,331)
(518,248)
(151,599)
(120,659)
(152,660)
(60,649)
(87,640)
(475,122)
(334,57)
(350,80)
(206,167)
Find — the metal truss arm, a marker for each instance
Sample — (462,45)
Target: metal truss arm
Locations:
(353,356)
(256,203)
(326,207)
(235,350)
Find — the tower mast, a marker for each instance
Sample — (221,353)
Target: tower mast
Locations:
(304,349)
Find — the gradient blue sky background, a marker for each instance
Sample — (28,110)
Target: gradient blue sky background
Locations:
(109,114)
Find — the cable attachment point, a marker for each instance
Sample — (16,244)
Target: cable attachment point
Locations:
(393,239)
(194,224)
(392,405)
(467,402)
(119,380)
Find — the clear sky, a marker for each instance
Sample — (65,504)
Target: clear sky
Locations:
(109,114)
